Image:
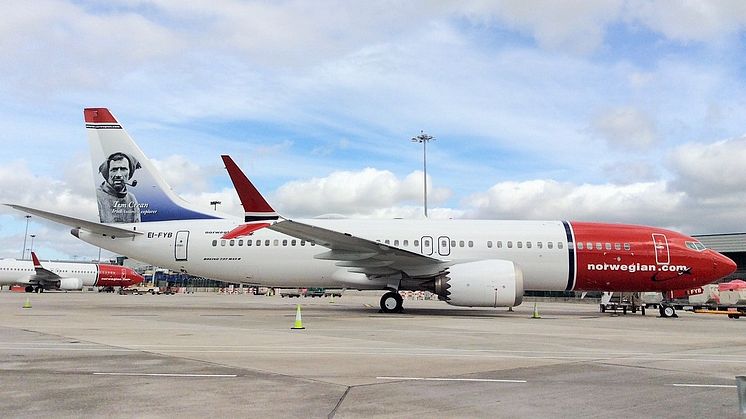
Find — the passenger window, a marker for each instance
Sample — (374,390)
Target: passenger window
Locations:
(405,243)
(510,244)
(580,245)
(617,246)
(258,242)
(416,243)
(559,245)
(539,245)
(232,242)
(427,242)
(292,242)
(627,246)
(396,242)
(214,243)
(499,244)
(453,243)
(444,244)
(519,244)
(302,242)
(489,244)
(284,242)
(589,246)
(608,246)
(598,246)
(248,242)
(387,241)
(471,243)
(266,242)
(460,243)
(276,242)
(528,245)
(240,242)
(222,242)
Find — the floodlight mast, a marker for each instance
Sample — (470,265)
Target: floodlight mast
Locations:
(424,139)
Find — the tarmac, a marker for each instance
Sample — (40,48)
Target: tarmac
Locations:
(213,355)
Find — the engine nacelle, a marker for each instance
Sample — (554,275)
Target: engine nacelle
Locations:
(486,283)
(70,284)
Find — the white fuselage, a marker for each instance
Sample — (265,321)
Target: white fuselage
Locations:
(14,271)
(279,260)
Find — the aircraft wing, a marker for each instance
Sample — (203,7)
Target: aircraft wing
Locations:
(93,227)
(363,255)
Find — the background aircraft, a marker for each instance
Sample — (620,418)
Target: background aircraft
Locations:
(479,263)
(63,275)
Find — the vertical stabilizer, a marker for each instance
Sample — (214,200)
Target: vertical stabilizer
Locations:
(128,187)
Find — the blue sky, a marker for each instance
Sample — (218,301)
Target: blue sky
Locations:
(617,111)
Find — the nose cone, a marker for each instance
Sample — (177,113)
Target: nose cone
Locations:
(723,266)
(135,278)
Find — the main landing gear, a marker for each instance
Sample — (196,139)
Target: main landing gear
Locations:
(667,311)
(30,288)
(391,302)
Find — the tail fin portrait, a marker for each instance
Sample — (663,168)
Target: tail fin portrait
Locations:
(129,189)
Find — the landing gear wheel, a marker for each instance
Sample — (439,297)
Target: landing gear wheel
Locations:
(391,302)
(668,311)
(29,289)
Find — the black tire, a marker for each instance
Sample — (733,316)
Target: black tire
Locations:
(391,302)
(603,308)
(669,311)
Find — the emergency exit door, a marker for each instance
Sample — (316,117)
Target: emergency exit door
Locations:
(181,244)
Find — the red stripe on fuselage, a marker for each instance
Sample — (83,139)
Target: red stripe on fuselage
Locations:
(631,258)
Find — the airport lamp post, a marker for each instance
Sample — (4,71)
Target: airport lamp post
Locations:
(32,241)
(23,254)
(215,204)
(424,139)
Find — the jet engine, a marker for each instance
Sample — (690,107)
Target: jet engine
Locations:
(70,284)
(486,283)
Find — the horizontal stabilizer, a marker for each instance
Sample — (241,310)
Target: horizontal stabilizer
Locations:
(93,227)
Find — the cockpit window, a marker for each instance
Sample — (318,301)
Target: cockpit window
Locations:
(695,246)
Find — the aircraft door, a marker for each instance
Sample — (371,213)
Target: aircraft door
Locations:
(180,245)
(661,249)
(444,246)
(426,245)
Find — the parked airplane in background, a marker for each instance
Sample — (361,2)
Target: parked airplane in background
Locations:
(477,263)
(64,276)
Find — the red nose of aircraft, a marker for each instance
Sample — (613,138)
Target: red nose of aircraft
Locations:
(133,278)
(722,266)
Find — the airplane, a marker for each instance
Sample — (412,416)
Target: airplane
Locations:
(64,276)
(474,263)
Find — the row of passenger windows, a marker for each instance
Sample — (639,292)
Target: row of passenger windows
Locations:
(602,246)
(53,270)
(266,242)
(510,244)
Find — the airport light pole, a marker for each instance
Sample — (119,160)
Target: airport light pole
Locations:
(32,241)
(215,204)
(23,254)
(424,139)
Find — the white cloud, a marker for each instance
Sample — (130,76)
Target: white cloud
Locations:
(712,172)
(690,20)
(367,192)
(625,127)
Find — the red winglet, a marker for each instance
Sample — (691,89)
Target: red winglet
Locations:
(244,230)
(98,115)
(254,204)
(37,264)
